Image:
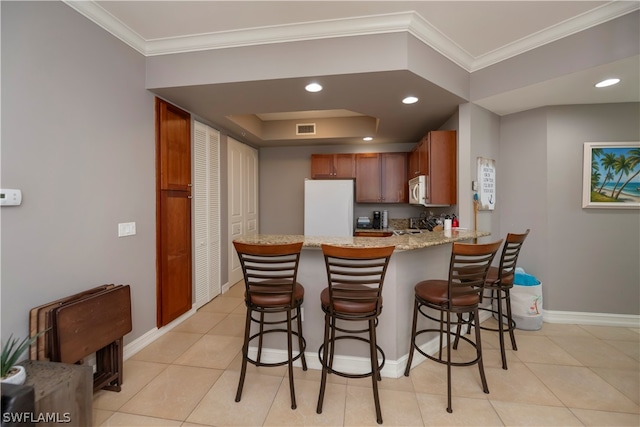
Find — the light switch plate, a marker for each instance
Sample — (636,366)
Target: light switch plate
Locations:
(126,229)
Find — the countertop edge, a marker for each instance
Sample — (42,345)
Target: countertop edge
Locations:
(402,243)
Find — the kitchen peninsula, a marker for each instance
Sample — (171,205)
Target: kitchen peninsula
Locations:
(417,257)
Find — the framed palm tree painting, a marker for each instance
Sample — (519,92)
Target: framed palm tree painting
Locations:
(611,175)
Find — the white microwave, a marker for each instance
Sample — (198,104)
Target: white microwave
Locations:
(419,190)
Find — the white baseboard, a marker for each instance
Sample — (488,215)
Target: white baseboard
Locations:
(595,319)
(141,342)
(147,338)
(392,368)
(226,287)
(352,364)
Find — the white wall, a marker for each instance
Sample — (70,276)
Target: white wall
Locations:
(78,140)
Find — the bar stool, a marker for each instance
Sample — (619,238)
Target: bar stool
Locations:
(354,294)
(499,282)
(459,294)
(270,273)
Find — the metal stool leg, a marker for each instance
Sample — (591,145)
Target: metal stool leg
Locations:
(375,369)
(290,355)
(245,354)
(324,361)
(413,338)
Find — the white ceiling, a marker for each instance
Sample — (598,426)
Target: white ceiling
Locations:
(472,34)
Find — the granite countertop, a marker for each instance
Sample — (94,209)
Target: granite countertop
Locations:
(403,242)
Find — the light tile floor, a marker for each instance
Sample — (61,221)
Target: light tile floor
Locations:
(562,375)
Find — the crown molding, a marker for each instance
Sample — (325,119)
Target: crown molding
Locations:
(592,18)
(314,30)
(410,22)
(92,11)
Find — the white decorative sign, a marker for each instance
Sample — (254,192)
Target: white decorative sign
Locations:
(486,184)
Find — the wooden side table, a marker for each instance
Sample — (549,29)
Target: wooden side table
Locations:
(63,393)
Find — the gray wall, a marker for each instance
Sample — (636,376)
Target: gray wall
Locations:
(78,140)
(587,259)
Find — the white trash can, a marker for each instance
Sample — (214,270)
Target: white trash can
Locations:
(526,301)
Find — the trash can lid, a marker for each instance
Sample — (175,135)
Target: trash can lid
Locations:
(524,279)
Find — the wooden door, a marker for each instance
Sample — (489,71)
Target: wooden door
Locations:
(368,178)
(423,154)
(442,167)
(414,162)
(328,166)
(174,134)
(173,212)
(322,166)
(393,177)
(345,166)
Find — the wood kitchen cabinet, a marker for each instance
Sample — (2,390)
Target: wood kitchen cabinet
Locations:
(333,166)
(173,212)
(435,156)
(173,132)
(419,159)
(381,178)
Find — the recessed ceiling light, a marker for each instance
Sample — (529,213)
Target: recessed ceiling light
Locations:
(410,100)
(608,82)
(367,138)
(313,87)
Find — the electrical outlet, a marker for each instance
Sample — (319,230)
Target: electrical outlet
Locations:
(474,185)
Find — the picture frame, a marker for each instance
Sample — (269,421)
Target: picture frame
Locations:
(611,175)
(486,184)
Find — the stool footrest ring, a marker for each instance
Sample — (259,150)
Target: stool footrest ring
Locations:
(346,375)
(443,361)
(296,356)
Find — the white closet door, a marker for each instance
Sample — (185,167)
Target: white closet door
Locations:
(251,190)
(206,230)
(215,211)
(242,162)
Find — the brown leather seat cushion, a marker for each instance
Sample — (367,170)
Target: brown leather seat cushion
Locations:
(350,306)
(492,276)
(435,291)
(274,299)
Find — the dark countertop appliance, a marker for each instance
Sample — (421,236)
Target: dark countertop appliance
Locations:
(377,220)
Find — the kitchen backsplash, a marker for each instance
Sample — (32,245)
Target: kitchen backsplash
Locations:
(398,224)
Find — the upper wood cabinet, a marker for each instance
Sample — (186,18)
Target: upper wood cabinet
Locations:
(419,159)
(437,154)
(173,131)
(381,178)
(333,166)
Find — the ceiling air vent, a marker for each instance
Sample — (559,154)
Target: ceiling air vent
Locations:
(305,129)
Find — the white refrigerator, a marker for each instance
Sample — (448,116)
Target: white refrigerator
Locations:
(328,207)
